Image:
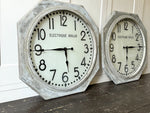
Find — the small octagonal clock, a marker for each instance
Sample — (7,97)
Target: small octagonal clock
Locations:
(124,47)
(58,49)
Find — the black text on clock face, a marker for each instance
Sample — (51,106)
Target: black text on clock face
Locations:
(126,47)
(61,49)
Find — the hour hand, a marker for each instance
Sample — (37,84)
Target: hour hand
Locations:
(124,47)
(56,49)
(130,47)
(59,49)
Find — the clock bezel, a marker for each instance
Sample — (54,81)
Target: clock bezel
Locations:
(109,69)
(29,63)
(24,71)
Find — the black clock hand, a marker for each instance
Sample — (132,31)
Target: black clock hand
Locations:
(66,55)
(68,48)
(134,46)
(127,54)
(59,49)
(56,49)
(126,47)
(131,46)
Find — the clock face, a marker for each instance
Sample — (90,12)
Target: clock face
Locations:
(62,49)
(126,47)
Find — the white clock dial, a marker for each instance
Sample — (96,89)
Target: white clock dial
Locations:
(61,49)
(126,47)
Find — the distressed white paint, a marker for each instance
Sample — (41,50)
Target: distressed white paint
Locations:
(105,11)
(92,6)
(11,12)
(138,7)
(11,88)
(16,93)
(123,5)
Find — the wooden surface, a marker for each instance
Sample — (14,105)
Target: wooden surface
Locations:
(10,85)
(132,97)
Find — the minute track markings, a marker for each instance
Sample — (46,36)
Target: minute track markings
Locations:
(80,76)
(136,30)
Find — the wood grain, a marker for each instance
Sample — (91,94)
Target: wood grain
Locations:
(100,98)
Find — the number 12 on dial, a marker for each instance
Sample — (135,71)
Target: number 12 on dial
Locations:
(124,49)
(58,49)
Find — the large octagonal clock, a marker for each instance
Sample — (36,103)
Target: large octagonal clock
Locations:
(58,49)
(124,47)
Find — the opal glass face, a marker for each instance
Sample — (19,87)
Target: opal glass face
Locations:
(126,47)
(61,49)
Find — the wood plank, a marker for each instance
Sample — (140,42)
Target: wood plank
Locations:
(122,5)
(105,11)
(100,98)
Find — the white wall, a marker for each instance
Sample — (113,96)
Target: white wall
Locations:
(11,88)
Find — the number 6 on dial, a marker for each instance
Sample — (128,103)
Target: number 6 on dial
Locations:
(124,47)
(58,49)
